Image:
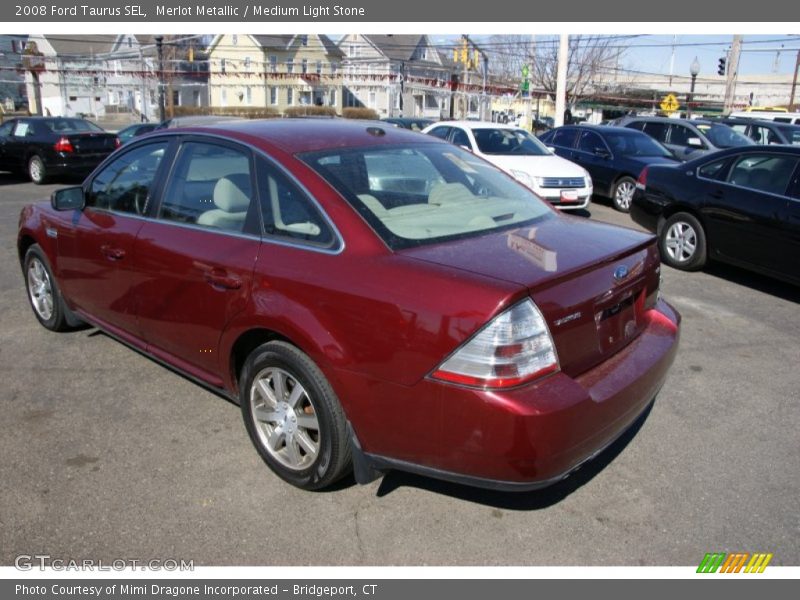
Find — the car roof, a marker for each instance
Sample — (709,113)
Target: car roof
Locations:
(298,135)
(755,148)
(601,129)
(479,124)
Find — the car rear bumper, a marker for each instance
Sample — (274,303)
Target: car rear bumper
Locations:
(528,437)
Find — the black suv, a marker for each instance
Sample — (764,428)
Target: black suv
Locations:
(687,139)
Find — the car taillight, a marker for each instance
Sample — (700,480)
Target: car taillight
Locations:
(641,183)
(63,145)
(117,143)
(514,348)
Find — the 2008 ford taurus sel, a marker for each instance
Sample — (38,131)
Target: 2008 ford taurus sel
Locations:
(371,297)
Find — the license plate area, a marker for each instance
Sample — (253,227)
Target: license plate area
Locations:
(619,321)
(569,196)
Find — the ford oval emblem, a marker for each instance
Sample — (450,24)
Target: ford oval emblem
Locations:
(620,273)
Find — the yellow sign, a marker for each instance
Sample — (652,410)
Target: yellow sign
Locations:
(670,103)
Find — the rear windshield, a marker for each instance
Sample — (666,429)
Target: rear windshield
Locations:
(517,142)
(421,194)
(723,136)
(792,134)
(634,143)
(72,126)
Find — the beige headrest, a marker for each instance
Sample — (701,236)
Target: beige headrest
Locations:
(229,196)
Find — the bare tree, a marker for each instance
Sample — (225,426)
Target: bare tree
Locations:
(593,62)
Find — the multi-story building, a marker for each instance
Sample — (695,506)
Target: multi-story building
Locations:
(276,71)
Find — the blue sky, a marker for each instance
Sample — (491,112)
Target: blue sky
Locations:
(758,56)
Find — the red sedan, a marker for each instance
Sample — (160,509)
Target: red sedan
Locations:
(373,298)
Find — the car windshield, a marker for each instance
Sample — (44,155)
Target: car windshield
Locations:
(508,141)
(72,126)
(633,143)
(723,136)
(421,194)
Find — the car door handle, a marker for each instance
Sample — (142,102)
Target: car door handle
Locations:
(219,278)
(716,194)
(112,253)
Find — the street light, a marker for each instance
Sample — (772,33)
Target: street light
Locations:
(694,70)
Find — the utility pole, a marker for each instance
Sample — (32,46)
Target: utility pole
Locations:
(733,74)
(162,112)
(561,79)
(794,81)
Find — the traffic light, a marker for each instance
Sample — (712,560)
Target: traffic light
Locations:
(721,67)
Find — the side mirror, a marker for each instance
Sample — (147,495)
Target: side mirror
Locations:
(70,198)
(694,142)
(552,149)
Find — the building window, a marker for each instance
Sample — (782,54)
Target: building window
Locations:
(332,99)
(235,39)
(222,65)
(130,42)
(319,67)
(304,40)
(290,66)
(273,96)
(273,64)
(196,97)
(334,68)
(248,95)
(247,62)
(304,66)
(290,96)
(176,98)
(373,99)
(223,95)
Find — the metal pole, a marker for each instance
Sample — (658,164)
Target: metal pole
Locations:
(161,109)
(143,110)
(794,81)
(561,79)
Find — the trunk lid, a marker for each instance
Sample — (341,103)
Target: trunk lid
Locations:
(93,143)
(591,281)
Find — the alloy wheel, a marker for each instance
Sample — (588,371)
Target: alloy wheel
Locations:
(681,241)
(40,289)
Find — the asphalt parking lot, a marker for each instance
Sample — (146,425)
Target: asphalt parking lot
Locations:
(108,455)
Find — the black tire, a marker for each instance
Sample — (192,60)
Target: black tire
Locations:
(34,265)
(37,170)
(682,242)
(313,471)
(622,195)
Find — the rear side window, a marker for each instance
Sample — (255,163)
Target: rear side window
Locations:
(763,172)
(124,185)
(679,135)
(440,132)
(210,186)
(712,170)
(656,131)
(564,138)
(287,212)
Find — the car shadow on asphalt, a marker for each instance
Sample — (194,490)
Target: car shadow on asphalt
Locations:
(522,501)
(755,281)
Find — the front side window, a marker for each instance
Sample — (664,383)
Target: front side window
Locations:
(460,138)
(591,142)
(420,194)
(508,141)
(210,186)
(723,136)
(769,173)
(124,185)
(679,135)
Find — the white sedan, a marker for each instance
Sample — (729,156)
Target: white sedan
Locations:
(562,183)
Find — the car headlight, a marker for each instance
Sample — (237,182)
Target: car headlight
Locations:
(587,179)
(524,178)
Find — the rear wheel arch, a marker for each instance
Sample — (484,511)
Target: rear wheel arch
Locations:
(244,346)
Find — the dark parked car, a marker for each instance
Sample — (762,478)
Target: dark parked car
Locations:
(687,139)
(614,157)
(740,206)
(45,147)
(409,123)
(135,130)
(765,132)
(465,330)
